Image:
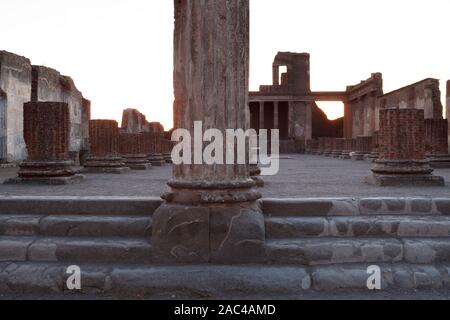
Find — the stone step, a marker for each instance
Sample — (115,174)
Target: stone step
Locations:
(398,281)
(75,226)
(326,251)
(326,207)
(75,250)
(121,206)
(358,226)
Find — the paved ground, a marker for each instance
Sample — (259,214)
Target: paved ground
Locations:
(299,176)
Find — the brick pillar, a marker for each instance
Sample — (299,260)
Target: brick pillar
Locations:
(360,149)
(375,152)
(104,148)
(321,146)
(210,214)
(167,150)
(402,150)
(436,142)
(46,133)
(338,147)
(347,149)
(328,147)
(132,149)
(156,156)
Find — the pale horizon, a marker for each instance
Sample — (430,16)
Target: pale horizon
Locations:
(120,54)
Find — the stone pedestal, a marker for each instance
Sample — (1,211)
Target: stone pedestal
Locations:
(104,156)
(131,148)
(321,146)
(328,147)
(338,147)
(46,133)
(436,142)
(402,151)
(156,157)
(255,174)
(210,214)
(348,148)
(361,149)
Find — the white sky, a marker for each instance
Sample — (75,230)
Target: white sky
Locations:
(119,52)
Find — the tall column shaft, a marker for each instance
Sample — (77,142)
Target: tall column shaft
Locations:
(210,214)
(211,66)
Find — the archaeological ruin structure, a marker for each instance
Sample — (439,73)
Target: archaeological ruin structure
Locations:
(46,132)
(104,154)
(402,150)
(219,203)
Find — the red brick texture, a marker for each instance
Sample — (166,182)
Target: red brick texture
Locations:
(436,136)
(46,131)
(131,143)
(104,138)
(402,133)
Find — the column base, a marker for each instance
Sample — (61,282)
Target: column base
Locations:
(157,160)
(404,173)
(440,161)
(47,173)
(405,180)
(345,155)
(357,156)
(255,174)
(203,234)
(137,162)
(373,156)
(168,158)
(327,153)
(113,165)
(336,154)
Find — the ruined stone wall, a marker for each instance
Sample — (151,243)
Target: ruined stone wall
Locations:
(361,110)
(424,95)
(134,121)
(50,85)
(15,83)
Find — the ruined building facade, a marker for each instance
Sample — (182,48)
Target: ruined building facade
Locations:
(290,106)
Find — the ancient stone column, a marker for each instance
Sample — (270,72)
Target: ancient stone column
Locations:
(167,150)
(104,148)
(375,154)
(402,151)
(328,147)
(347,149)
(311,146)
(156,156)
(321,146)
(360,153)
(46,133)
(131,148)
(338,147)
(436,142)
(210,212)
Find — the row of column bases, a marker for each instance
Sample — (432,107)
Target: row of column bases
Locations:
(47,132)
(405,151)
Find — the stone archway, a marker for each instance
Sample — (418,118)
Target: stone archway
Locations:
(3,128)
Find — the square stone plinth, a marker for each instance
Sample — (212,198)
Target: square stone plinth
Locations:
(107,170)
(405,180)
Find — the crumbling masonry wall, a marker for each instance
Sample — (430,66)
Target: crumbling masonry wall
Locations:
(50,85)
(15,89)
(424,95)
(448,107)
(361,111)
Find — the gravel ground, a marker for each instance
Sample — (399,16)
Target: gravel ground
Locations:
(300,176)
